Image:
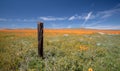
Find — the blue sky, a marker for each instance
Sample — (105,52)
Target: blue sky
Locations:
(95,14)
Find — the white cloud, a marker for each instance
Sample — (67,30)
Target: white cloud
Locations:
(50,18)
(17,20)
(108,13)
(75,17)
(100,16)
(89,16)
(24,20)
(72,18)
(2,19)
(69,26)
(105,13)
(28,20)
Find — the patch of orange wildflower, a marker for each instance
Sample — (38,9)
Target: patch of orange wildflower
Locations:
(90,69)
(83,47)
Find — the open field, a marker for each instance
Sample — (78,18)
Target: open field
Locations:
(64,50)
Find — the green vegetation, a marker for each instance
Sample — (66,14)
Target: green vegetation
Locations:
(101,52)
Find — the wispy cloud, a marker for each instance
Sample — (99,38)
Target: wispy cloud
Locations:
(101,16)
(50,18)
(90,20)
(72,18)
(2,19)
(28,20)
(94,23)
(75,17)
(109,13)
(82,17)
(87,18)
(17,20)
(69,26)
(117,6)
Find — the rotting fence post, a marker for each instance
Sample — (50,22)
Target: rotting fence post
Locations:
(40,39)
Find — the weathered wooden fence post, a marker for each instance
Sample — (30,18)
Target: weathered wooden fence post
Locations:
(40,39)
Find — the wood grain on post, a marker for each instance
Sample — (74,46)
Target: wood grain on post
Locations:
(40,39)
